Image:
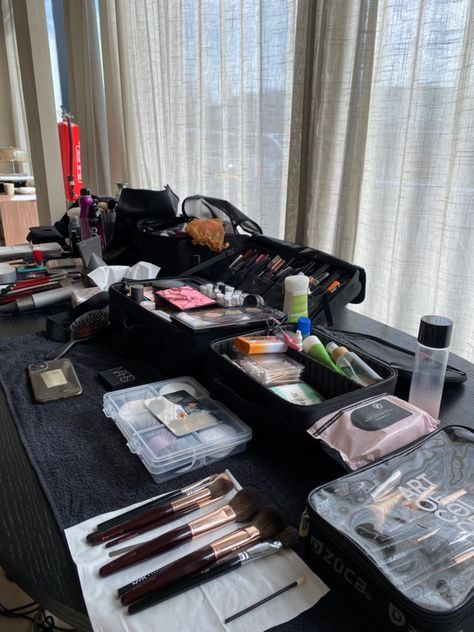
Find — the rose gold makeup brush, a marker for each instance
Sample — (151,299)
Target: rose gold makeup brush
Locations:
(242,508)
(161,515)
(287,539)
(265,525)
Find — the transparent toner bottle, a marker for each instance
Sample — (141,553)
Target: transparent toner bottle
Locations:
(431,358)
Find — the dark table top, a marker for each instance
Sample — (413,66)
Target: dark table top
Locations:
(33,551)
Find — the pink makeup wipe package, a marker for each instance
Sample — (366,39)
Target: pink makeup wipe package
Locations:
(369,430)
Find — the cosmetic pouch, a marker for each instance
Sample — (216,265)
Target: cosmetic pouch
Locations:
(276,421)
(397,535)
(400,358)
(371,429)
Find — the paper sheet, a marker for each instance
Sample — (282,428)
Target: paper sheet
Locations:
(204,607)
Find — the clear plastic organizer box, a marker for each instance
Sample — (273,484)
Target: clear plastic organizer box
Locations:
(164,454)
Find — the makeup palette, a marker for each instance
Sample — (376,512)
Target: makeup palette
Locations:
(174,426)
(239,316)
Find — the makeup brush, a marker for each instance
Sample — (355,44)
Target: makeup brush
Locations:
(265,525)
(242,508)
(161,515)
(297,582)
(287,539)
(157,502)
(83,328)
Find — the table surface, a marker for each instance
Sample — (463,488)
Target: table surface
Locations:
(33,551)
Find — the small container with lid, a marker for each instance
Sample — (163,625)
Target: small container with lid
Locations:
(431,358)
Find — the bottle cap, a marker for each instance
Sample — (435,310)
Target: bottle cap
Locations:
(85,192)
(435,331)
(330,347)
(304,325)
(338,352)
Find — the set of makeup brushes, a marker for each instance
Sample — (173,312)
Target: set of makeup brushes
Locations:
(264,533)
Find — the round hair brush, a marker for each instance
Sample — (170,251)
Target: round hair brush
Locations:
(265,525)
(83,328)
(163,514)
(241,508)
(287,539)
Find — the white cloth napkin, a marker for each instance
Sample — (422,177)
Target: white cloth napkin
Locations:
(204,607)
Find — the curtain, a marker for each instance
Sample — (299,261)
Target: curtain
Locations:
(199,96)
(12,83)
(382,152)
(87,93)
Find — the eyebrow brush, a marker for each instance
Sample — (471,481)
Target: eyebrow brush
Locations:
(157,502)
(161,515)
(265,525)
(287,539)
(241,508)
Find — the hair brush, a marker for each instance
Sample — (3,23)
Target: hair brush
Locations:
(241,508)
(83,328)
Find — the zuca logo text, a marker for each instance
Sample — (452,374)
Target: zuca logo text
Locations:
(338,566)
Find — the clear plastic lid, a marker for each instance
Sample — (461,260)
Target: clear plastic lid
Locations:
(210,430)
(413,516)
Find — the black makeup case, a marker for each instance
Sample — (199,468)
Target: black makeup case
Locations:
(397,535)
(177,349)
(275,420)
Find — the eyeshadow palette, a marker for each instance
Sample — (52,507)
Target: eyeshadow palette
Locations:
(184,297)
(203,319)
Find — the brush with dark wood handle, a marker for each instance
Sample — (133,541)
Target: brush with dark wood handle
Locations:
(266,524)
(242,508)
(288,538)
(161,515)
(157,502)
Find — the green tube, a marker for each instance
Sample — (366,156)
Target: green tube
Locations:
(313,346)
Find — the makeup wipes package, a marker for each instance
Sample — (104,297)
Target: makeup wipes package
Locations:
(398,535)
(368,430)
(174,426)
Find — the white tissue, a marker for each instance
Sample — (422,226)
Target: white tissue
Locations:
(105,276)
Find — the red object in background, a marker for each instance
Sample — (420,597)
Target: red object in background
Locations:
(69,142)
(38,256)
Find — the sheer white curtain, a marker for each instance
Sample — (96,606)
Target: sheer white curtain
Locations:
(382,154)
(200,96)
(12,83)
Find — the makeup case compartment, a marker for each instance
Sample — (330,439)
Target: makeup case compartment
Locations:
(279,422)
(397,535)
(176,349)
(174,427)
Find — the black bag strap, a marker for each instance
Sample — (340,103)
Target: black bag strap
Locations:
(199,206)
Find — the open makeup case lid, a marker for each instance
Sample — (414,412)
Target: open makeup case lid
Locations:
(399,358)
(406,524)
(164,453)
